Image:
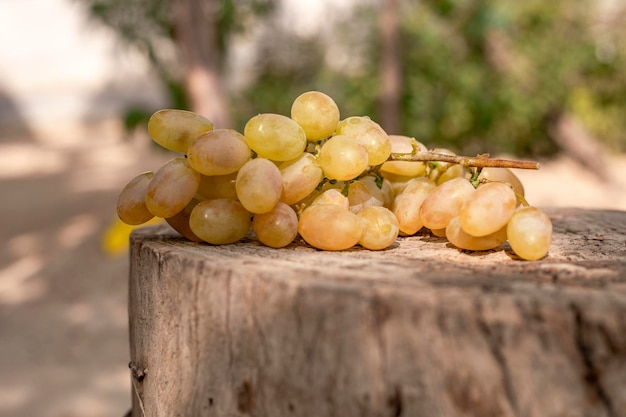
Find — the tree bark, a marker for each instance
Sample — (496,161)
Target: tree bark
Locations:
(420,329)
(196,31)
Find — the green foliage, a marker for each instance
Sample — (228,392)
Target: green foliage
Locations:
(478,76)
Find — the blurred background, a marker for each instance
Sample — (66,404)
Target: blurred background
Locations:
(78,80)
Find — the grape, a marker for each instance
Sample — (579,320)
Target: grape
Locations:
(218,186)
(439,232)
(274,136)
(404,145)
(380,227)
(300,177)
(530,233)
(451,172)
(406,205)
(180,221)
(502,175)
(175,129)
(259,185)
(218,152)
(369,134)
(332,197)
(342,158)
(131,202)
(276,228)
(445,202)
(171,188)
(438,168)
(359,197)
(220,221)
(329,227)
(463,240)
(378,193)
(317,113)
(488,209)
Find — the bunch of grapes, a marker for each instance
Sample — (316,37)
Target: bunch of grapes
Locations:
(334,182)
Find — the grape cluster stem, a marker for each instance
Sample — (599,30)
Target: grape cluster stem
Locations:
(479,161)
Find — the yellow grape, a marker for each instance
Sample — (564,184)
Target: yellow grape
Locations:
(131,202)
(404,145)
(218,186)
(276,228)
(171,188)
(369,134)
(406,205)
(360,196)
(463,240)
(445,202)
(342,158)
(175,129)
(333,197)
(300,177)
(530,233)
(488,209)
(218,152)
(259,185)
(220,221)
(503,175)
(180,221)
(329,227)
(274,136)
(317,113)
(380,227)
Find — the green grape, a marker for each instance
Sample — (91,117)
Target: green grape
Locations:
(278,227)
(445,202)
(220,221)
(377,193)
(397,182)
(342,158)
(131,202)
(317,113)
(329,227)
(503,175)
(488,209)
(380,227)
(333,197)
(218,152)
(360,196)
(369,134)
(406,205)
(175,129)
(404,145)
(274,136)
(530,233)
(259,185)
(218,186)
(171,188)
(463,240)
(300,177)
(437,168)
(180,221)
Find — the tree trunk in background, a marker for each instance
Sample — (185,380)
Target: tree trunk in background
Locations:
(197,37)
(390,72)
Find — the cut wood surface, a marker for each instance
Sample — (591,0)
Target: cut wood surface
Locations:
(419,329)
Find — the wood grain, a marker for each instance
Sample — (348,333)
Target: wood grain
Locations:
(419,329)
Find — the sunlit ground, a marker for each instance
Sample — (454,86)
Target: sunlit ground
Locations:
(63,313)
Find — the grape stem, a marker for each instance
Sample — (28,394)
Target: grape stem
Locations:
(479,161)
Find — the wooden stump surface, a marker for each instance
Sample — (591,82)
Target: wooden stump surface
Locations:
(419,329)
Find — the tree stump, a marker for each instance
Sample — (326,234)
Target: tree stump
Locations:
(419,329)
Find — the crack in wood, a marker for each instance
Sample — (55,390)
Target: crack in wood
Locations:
(494,343)
(592,376)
